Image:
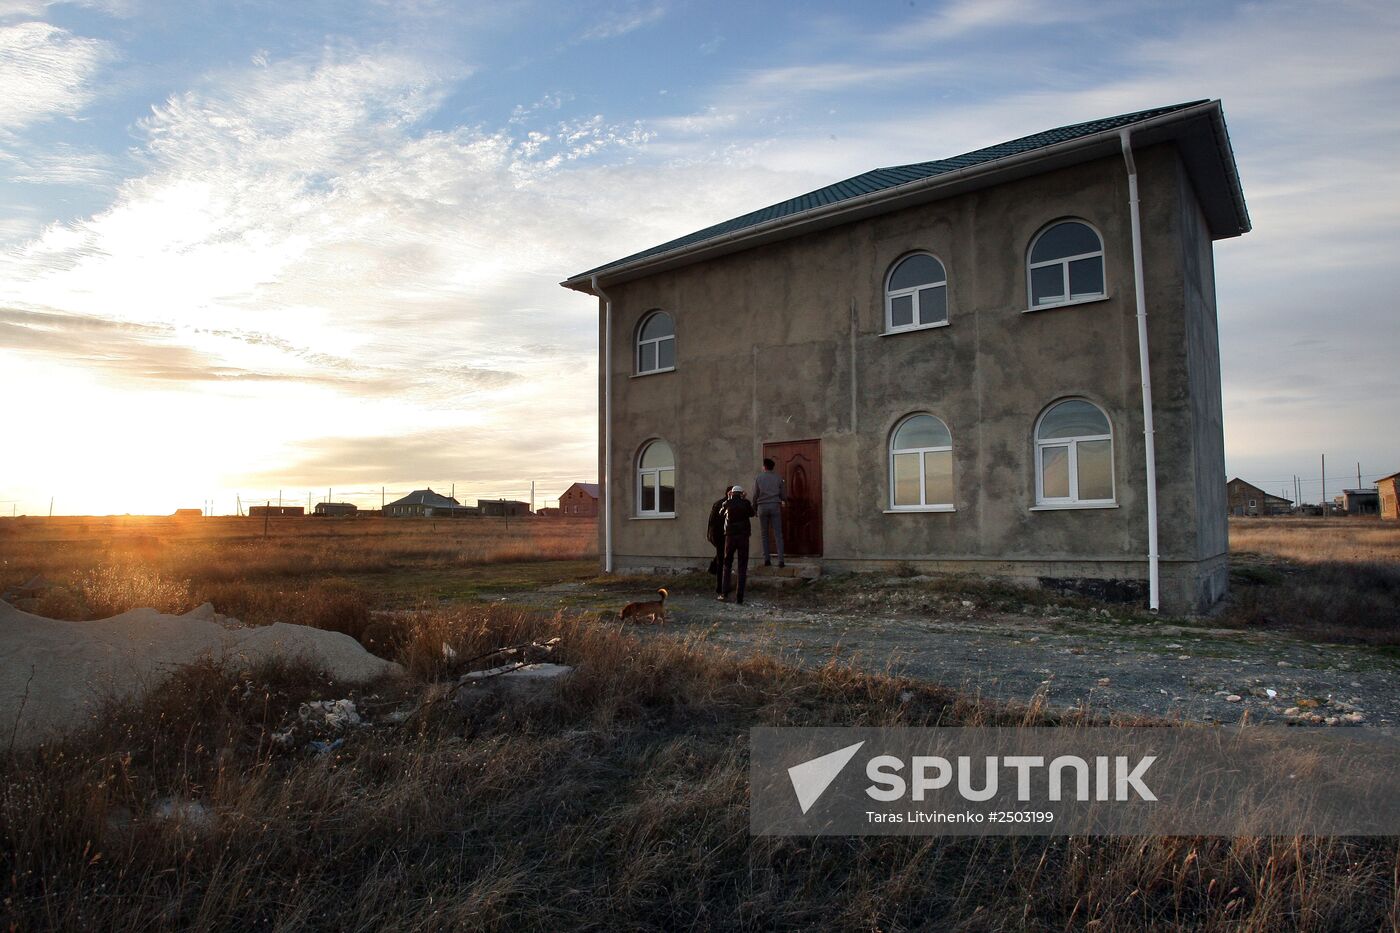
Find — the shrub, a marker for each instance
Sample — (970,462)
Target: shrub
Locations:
(335,605)
(110,589)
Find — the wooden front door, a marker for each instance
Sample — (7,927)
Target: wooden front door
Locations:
(800,464)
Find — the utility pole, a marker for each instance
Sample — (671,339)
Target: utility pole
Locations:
(238,503)
(532,495)
(267,512)
(381,500)
(1324,485)
(453,494)
(279,499)
(1358,475)
(50,506)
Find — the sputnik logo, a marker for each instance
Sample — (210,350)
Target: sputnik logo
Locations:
(811,778)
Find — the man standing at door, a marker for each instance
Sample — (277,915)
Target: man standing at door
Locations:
(769,494)
(737,512)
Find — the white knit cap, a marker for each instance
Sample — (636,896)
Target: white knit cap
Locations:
(737,489)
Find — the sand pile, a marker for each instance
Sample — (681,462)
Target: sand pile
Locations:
(54,674)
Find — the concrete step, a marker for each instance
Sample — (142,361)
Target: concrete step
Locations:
(768,581)
(795,570)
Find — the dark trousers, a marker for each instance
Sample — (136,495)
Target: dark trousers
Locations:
(736,546)
(719,567)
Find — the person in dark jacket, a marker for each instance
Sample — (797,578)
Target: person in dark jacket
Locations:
(714,533)
(738,527)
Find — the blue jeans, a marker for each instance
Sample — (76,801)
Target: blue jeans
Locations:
(771,516)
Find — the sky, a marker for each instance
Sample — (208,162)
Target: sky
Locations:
(310,248)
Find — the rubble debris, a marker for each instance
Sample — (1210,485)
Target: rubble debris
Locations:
(32,588)
(334,715)
(192,813)
(57,673)
(542,671)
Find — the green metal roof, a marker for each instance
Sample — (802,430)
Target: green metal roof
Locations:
(885,179)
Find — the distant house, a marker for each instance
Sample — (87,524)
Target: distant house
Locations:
(335,509)
(276,511)
(188,513)
(1360,501)
(1247,499)
(498,508)
(580,500)
(548,512)
(1388,491)
(424,503)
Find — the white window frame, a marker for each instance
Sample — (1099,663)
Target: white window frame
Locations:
(1042,502)
(1063,263)
(655,472)
(913,291)
(890,450)
(638,343)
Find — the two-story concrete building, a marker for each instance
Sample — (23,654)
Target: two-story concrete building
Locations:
(1001,363)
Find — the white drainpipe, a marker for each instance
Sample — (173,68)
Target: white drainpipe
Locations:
(606,478)
(1149,444)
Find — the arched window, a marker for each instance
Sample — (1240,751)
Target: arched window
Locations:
(1073,455)
(656,481)
(1066,265)
(656,343)
(916,293)
(921,464)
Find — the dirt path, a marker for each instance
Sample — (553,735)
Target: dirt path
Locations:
(1072,656)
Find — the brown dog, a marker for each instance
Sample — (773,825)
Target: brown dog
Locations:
(654,610)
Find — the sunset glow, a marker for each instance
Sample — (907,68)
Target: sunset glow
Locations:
(307,247)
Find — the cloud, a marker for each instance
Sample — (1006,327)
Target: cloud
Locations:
(46,72)
(133,352)
(491,462)
(144,353)
(956,20)
(628,20)
(57,164)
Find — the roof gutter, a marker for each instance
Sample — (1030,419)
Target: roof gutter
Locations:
(909,190)
(1145,367)
(607,425)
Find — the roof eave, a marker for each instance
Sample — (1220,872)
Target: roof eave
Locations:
(1224,224)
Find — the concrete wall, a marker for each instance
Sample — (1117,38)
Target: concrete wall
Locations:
(785,342)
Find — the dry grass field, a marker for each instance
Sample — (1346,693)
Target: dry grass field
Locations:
(615,799)
(1333,579)
(324,572)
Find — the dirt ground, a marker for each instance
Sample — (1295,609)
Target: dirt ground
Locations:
(1113,662)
